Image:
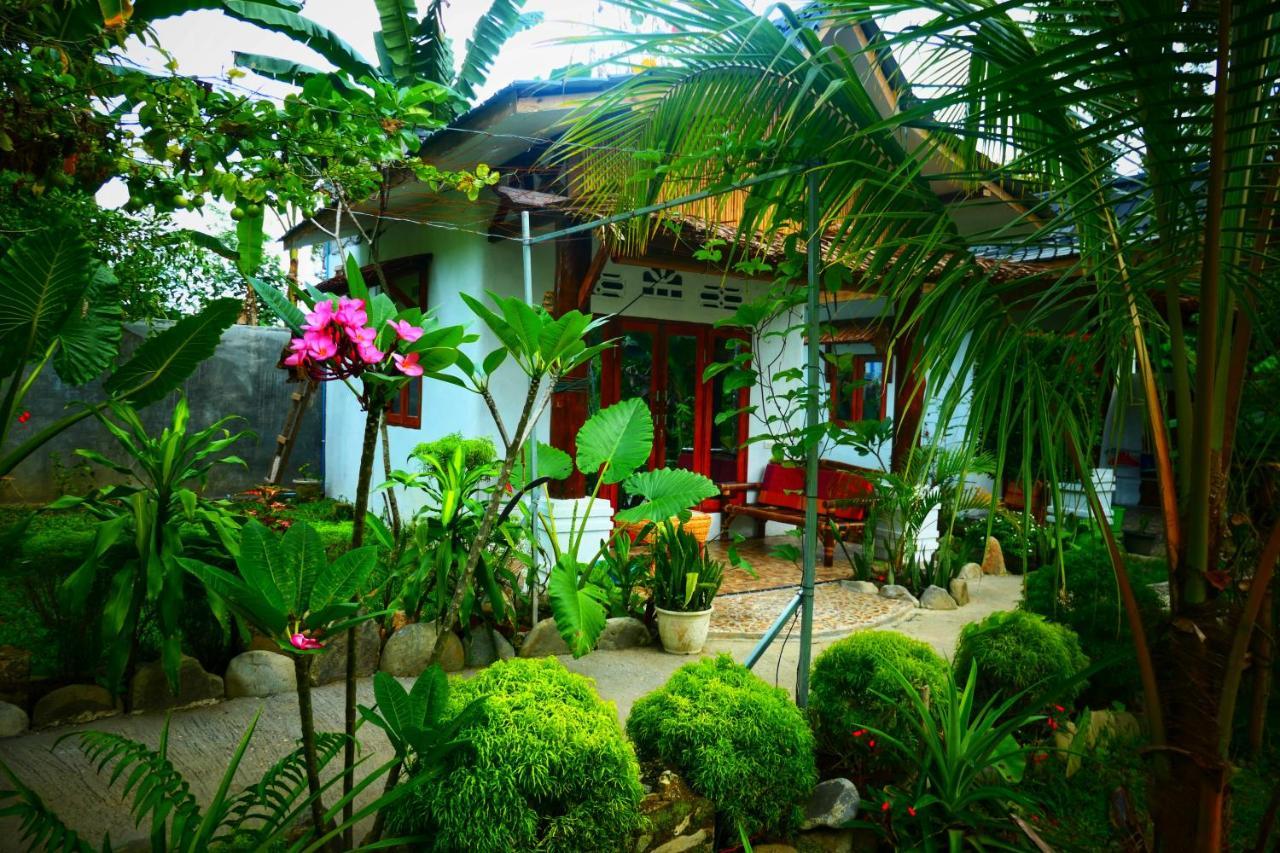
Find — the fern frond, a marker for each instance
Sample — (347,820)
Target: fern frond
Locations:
(263,807)
(40,828)
(156,787)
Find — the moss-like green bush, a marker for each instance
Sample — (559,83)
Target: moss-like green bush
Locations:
(736,740)
(1089,604)
(549,768)
(475,451)
(852,688)
(1019,651)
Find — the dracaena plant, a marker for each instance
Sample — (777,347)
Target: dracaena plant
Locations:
(289,591)
(161,512)
(612,446)
(685,577)
(417,725)
(440,539)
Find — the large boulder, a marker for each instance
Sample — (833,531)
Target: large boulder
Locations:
(542,640)
(899,593)
(484,646)
(13,720)
(408,651)
(970,572)
(623,632)
(993,558)
(260,673)
(332,665)
(75,703)
(865,587)
(959,589)
(149,690)
(936,598)
(833,803)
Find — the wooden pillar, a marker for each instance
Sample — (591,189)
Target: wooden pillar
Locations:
(574,265)
(908,395)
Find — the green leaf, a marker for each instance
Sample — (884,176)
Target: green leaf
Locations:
(305,563)
(320,39)
(619,437)
(396,19)
(264,567)
(284,70)
(45,274)
(667,492)
(165,360)
(502,21)
(282,306)
(344,578)
(579,613)
(249,241)
(430,696)
(89,340)
(357,288)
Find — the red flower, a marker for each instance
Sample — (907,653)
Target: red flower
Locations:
(1059,708)
(871,744)
(1218,579)
(24,417)
(911,810)
(859,732)
(884,807)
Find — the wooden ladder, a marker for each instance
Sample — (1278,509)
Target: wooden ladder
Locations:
(285,441)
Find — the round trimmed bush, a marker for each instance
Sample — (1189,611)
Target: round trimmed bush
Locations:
(1016,651)
(736,740)
(548,769)
(853,688)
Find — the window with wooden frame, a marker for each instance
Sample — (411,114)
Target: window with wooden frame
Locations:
(857,388)
(407,280)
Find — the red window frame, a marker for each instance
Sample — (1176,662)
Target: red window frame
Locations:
(406,409)
(857,404)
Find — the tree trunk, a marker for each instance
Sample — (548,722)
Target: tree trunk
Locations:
(302,672)
(372,418)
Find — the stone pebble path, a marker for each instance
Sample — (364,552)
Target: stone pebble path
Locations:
(837,611)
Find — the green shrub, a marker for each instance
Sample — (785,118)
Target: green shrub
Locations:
(1089,604)
(549,768)
(1016,651)
(475,451)
(852,688)
(736,740)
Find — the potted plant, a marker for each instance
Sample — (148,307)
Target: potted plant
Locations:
(685,581)
(306,486)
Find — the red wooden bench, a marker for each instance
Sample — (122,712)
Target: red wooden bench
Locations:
(844,496)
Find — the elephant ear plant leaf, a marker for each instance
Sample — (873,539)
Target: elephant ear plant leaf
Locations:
(290,592)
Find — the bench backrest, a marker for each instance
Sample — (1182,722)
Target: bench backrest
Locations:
(783,486)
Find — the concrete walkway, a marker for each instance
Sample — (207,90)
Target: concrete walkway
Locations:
(201,739)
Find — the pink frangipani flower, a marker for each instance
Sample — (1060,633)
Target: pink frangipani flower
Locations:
(406,331)
(407,364)
(305,643)
(320,345)
(351,312)
(370,354)
(298,350)
(320,317)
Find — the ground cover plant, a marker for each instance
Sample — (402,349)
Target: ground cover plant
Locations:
(548,768)
(735,739)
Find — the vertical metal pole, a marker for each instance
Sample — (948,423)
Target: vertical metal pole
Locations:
(526,248)
(813,247)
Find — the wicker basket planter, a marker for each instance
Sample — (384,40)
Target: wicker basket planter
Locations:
(699,524)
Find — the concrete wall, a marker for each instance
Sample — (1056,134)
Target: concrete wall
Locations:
(240,378)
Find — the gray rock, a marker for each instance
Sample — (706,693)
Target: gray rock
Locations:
(970,572)
(408,651)
(834,803)
(542,640)
(623,632)
(866,587)
(959,589)
(149,690)
(332,665)
(484,646)
(899,592)
(13,720)
(75,703)
(936,598)
(260,673)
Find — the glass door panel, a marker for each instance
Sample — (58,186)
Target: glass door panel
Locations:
(726,430)
(679,402)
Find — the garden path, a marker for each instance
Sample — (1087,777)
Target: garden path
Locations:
(201,738)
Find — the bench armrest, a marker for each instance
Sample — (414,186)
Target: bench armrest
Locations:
(729,489)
